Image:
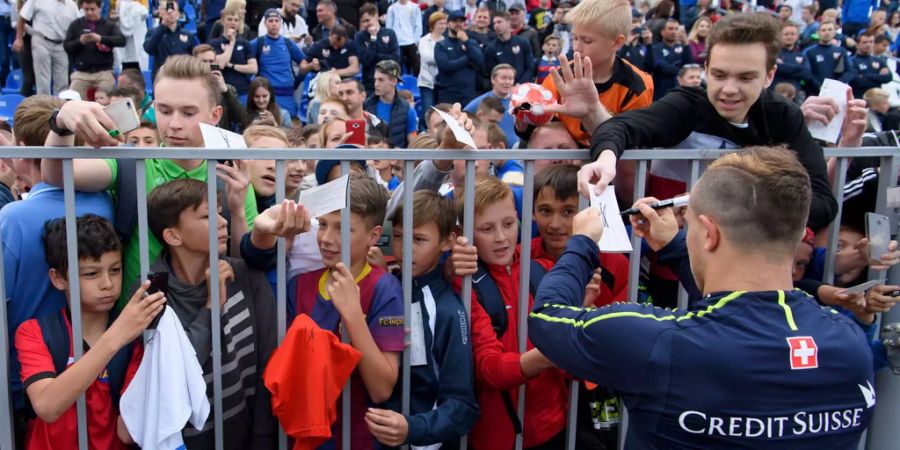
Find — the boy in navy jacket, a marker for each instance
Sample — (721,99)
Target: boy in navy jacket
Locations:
(442,398)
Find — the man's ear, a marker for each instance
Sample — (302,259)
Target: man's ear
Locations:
(374,235)
(58,280)
(713,233)
(172,237)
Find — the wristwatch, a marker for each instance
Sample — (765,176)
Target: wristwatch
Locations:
(56,128)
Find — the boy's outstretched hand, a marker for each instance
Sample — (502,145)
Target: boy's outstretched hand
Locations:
(448,139)
(574,80)
(285,220)
(140,310)
(343,291)
(389,427)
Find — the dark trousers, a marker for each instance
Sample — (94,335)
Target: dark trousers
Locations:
(27,67)
(410,56)
(6,34)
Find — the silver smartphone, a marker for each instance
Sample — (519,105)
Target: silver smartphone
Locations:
(123,114)
(878,230)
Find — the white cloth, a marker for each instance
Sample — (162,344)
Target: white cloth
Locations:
(428,68)
(168,389)
(133,23)
(50,18)
(406,21)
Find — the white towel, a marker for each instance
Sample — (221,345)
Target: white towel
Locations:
(168,389)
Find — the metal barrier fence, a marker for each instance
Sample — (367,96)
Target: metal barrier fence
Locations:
(882,433)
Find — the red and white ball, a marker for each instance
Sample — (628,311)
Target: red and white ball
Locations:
(529,102)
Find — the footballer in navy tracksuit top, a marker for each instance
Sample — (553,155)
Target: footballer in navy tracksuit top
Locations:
(869,73)
(442,378)
(765,369)
(793,68)
(828,61)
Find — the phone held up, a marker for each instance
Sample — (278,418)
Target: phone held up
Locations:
(357,131)
(159,282)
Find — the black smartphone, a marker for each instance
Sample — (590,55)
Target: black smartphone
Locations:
(215,67)
(159,282)
(170,6)
(86,31)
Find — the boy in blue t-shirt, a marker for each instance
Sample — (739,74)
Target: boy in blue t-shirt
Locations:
(442,378)
(363,300)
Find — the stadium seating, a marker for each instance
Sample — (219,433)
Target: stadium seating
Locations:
(8,104)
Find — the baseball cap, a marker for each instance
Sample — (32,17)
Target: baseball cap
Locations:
(389,67)
(271,12)
(517,6)
(456,15)
(324,166)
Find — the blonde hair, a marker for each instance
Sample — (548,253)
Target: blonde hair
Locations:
(323,85)
(692,36)
(611,17)
(489,190)
(235,8)
(323,132)
(254,132)
(187,67)
(876,95)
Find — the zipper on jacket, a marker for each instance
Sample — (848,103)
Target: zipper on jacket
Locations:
(508,270)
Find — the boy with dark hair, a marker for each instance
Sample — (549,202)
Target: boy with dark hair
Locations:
(442,403)
(364,300)
(373,44)
(178,216)
(52,382)
(500,369)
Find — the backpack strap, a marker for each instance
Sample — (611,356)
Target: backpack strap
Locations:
(537,275)
(488,296)
(126,198)
(259,44)
(117,367)
(56,338)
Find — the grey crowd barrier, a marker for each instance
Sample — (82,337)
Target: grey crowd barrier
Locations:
(882,433)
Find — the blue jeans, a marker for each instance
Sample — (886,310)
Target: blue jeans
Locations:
(7,33)
(426,98)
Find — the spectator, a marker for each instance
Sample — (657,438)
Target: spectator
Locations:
(50,20)
(882,46)
(541,17)
(143,136)
(330,108)
(7,35)
(437,25)
(133,24)
(894,24)
(235,57)
(389,107)
(459,63)
(353,95)
(797,7)
(793,66)
(503,77)
(123,92)
(333,53)
(668,58)
(405,18)
(509,49)
(549,59)
(748,50)
(326,11)
(374,44)
(233,14)
(326,85)
(436,6)
(828,60)
(233,114)
(690,75)
(434,122)
(261,104)
(22,47)
(784,12)
(697,39)
(102,97)
(636,51)
(29,293)
(480,30)
(809,24)
(855,15)
(293,26)
(871,71)
(701,8)
(275,55)
(519,28)
(168,38)
(89,43)
(786,90)
(659,17)
(881,116)
(134,78)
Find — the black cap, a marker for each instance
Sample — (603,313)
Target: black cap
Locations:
(456,15)
(271,12)
(324,166)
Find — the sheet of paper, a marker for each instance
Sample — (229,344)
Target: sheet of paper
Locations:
(215,137)
(331,196)
(459,132)
(829,133)
(615,238)
(417,355)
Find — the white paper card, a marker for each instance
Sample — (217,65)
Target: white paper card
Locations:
(215,137)
(331,196)
(459,132)
(829,133)
(893,197)
(615,238)
(416,336)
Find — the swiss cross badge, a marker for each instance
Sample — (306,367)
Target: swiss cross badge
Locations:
(804,354)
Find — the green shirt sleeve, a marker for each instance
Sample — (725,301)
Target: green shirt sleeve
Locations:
(250,207)
(114,174)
